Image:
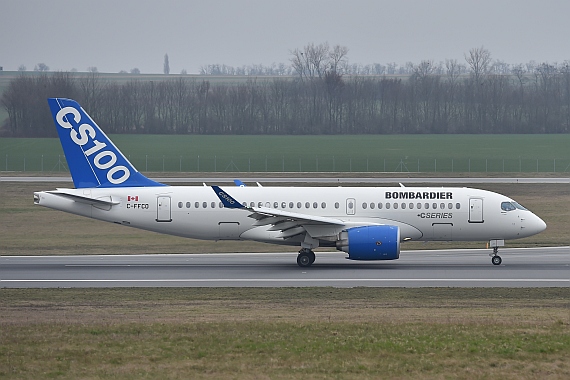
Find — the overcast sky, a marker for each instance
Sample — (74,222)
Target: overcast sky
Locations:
(125,34)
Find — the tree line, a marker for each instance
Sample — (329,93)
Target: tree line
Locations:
(324,102)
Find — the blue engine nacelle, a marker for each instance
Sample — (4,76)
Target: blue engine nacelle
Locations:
(370,242)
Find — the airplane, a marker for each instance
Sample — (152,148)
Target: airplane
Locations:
(367,223)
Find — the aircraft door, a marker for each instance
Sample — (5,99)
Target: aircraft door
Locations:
(476,210)
(228,230)
(163,209)
(350,206)
(442,231)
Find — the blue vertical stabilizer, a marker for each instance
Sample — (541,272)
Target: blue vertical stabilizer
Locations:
(93,159)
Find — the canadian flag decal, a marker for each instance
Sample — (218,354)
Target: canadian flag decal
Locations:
(133,198)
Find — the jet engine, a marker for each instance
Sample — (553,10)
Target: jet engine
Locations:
(370,242)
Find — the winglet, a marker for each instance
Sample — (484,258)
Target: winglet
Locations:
(93,159)
(227,200)
(239,183)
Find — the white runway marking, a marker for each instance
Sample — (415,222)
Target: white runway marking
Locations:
(210,280)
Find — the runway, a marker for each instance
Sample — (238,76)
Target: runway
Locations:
(522,267)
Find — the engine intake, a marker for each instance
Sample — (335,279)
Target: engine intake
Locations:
(370,242)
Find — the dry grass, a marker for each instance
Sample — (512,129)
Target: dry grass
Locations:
(284,333)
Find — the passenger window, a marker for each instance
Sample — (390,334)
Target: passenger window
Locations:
(188,204)
(403,206)
(179,204)
(364,205)
(426,206)
(450,206)
(205,204)
(323,205)
(196,204)
(315,205)
(336,205)
(458,205)
(411,205)
(213,205)
(419,206)
(379,205)
(221,205)
(252,204)
(387,206)
(298,204)
(307,205)
(434,206)
(259,204)
(291,205)
(372,205)
(395,206)
(442,206)
(275,204)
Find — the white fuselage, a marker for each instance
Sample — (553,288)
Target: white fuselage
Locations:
(426,214)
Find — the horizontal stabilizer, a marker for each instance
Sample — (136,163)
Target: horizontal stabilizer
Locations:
(99,202)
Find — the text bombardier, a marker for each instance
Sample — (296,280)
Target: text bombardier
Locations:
(418,195)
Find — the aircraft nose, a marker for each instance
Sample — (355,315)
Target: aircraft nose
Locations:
(536,225)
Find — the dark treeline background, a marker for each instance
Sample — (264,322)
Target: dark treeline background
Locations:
(426,101)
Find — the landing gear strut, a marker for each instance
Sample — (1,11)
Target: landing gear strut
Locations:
(305,258)
(495,258)
(495,244)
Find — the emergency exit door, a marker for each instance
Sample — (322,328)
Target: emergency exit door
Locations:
(163,209)
(475,210)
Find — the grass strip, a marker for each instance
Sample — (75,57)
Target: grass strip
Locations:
(284,333)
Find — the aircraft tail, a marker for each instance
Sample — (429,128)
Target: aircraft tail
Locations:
(93,159)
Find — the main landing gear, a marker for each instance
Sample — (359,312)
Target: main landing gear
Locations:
(305,258)
(495,258)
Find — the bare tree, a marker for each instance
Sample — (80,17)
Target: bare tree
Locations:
(424,69)
(478,60)
(338,58)
(453,69)
(314,61)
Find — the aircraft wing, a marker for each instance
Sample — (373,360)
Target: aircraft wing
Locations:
(288,223)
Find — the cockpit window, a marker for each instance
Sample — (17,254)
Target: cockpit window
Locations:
(507,206)
(519,206)
(510,206)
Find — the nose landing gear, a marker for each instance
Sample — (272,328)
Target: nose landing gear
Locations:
(495,258)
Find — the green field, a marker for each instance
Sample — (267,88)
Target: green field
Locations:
(354,153)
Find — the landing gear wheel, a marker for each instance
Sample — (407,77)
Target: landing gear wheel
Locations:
(496,260)
(305,258)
